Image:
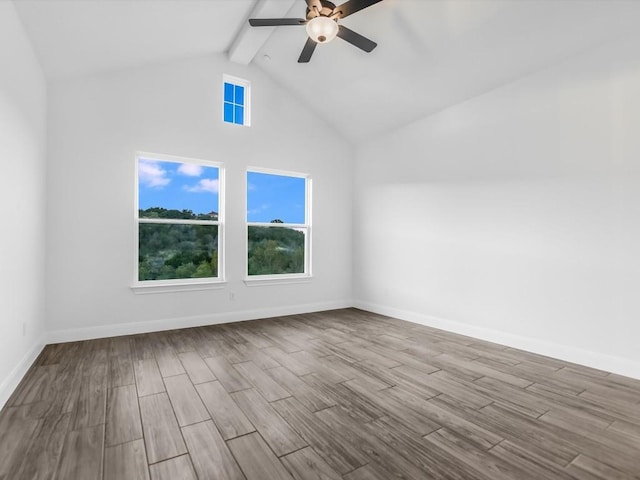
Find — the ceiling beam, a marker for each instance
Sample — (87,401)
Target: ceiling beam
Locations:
(250,40)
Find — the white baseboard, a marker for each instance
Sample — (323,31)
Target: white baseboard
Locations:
(10,383)
(114,330)
(619,365)
(597,360)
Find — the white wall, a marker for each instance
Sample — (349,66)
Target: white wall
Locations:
(97,125)
(515,216)
(22,196)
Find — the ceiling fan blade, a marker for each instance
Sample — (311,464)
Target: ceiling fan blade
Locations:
(356,39)
(353,6)
(307,51)
(275,22)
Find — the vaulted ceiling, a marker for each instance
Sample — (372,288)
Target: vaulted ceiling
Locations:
(431,54)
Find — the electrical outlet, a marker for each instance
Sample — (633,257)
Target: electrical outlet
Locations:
(232,296)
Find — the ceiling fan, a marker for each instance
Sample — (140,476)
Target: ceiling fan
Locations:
(322,25)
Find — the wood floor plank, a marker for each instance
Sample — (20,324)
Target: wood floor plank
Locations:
(37,387)
(602,446)
(312,398)
(210,455)
(251,353)
(306,464)
(17,427)
(522,458)
(267,387)
(391,407)
(460,388)
(360,407)
(182,341)
(578,422)
(368,472)
(628,430)
(120,371)
(361,352)
(52,354)
(255,336)
(226,414)
(256,459)
(196,368)
(581,466)
(91,402)
(357,434)
(519,428)
(471,432)
(517,398)
(341,455)
(279,340)
(410,454)
(169,363)
(475,459)
(120,346)
(185,400)
(66,388)
(123,415)
(274,430)
(82,453)
(351,371)
(127,460)
(162,436)
(40,457)
(612,412)
(286,359)
(178,468)
(315,365)
(148,377)
(229,377)
(402,358)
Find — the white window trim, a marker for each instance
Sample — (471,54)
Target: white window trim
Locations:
(247,98)
(186,284)
(281,279)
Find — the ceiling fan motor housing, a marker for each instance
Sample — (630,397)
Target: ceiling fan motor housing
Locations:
(326,10)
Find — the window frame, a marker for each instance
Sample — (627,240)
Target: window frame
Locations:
(246,84)
(280,278)
(178,284)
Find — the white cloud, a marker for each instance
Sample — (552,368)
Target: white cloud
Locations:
(190,169)
(209,185)
(251,187)
(260,209)
(151,174)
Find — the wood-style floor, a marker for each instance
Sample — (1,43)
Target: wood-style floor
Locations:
(334,395)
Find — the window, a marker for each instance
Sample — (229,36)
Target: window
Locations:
(278,224)
(236,100)
(179,220)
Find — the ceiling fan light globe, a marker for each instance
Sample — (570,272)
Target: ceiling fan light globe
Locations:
(322,29)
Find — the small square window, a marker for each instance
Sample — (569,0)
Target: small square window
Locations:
(236,100)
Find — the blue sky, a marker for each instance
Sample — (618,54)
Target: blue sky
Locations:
(271,197)
(189,186)
(179,186)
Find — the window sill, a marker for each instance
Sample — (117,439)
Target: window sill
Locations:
(144,289)
(276,280)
